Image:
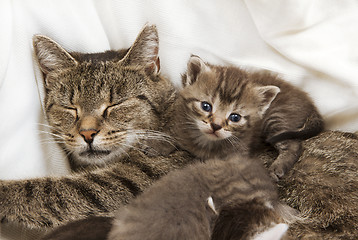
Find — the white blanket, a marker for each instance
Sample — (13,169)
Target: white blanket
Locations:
(312,43)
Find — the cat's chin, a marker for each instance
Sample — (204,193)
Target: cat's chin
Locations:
(213,136)
(96,157)
(94,153)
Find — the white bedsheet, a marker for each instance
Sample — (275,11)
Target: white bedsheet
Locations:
(312,43)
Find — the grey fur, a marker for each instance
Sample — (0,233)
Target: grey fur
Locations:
(176,206)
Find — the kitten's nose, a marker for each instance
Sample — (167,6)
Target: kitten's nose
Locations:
(215,126)
(88,134)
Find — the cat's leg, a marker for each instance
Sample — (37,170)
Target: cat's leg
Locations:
(49,202)
(153,147)
(92,228)
(289,152)
(54,201)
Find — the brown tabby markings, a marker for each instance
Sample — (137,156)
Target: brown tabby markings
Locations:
(222,110)
(102,108)
(324,184)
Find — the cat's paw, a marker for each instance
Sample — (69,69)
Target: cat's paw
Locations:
(277,171)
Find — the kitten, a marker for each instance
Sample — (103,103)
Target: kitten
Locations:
(194,202)
(186,203)
(227,109)
(101,108)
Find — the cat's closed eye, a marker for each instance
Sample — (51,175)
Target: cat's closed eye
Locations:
(73,111)
(64,116)
(108,109)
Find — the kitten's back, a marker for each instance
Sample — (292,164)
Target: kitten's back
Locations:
(177,206)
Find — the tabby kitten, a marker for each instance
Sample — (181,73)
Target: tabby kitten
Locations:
(101,108)
(227,109)
(186,203)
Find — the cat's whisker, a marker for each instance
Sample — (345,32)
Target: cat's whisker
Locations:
(56,152)
(52,134)
(44,142)
(45,125)
(236,143)
(133,147)
(122,148)
(153,135)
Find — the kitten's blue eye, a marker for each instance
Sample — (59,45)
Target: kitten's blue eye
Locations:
(234,117)
(206,106)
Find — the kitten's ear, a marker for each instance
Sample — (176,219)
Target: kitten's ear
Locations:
(144,51)
(266,95)
(195,66)
(50,55)
(274,233)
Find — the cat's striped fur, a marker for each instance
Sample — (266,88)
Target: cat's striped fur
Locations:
(102,108)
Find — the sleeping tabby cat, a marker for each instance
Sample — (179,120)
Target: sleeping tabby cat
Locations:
(101,109)
(232,199)
(227,109)
(323,183)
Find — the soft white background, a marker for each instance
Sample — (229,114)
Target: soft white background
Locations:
(312,43)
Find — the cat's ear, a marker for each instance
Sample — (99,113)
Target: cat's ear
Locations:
(50,55)
(266,95)
(274,233)
(195,66)
(144,51)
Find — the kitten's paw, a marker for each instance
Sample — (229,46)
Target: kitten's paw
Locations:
(276,171)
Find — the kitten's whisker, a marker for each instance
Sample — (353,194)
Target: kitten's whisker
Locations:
(237,143)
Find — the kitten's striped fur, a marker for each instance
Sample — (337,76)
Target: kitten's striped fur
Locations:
(225,109)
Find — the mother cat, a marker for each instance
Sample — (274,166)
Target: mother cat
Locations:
(103,107)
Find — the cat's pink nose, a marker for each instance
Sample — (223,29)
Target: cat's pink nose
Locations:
(215,126)
(88,134)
